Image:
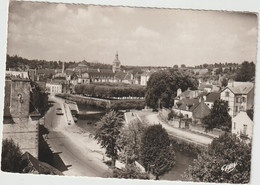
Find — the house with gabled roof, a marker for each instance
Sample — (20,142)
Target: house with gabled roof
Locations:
(210,98)
(194,108)
(239,95)
(242,126)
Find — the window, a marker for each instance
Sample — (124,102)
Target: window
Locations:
(234,126)
(243,99)
(238,100)
(236,109)
(227,94)
(244,129)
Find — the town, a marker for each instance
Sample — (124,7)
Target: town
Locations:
(143,122)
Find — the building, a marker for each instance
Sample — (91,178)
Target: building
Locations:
(194,108)
(20,121)
(210,98)
(53,87)
(186,94)
(145,77)
(116,64)
(242,126)
(239,95)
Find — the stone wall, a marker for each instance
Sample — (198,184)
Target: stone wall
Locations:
(20,99)
(25,134)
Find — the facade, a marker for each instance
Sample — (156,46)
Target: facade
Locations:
(19,123)
(242,126)
(53,88)
(145,77)
(240,97)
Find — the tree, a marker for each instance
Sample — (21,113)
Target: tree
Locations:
(218,117)
(157,154)
(224,82)
(246,72)
(130,172)
(176,66)
(130,141)
(183,66)
(107,133)
(212,165)
(12,157)
(162,87)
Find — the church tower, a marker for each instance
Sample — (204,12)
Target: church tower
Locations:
(116,64)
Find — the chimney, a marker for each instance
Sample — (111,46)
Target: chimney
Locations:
(179,91)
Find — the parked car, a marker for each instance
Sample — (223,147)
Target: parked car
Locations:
(59,111)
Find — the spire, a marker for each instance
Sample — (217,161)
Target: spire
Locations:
(116,55)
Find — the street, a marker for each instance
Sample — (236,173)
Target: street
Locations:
(79,154)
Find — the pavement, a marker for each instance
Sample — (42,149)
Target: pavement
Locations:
(76,152)
(152,118)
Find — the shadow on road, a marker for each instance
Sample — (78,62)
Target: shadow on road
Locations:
(47,155)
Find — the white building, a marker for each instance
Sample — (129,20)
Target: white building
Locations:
(240,97)
(145,77)
(242,126)
(54,88)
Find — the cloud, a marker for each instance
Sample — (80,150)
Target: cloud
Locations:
(143,32)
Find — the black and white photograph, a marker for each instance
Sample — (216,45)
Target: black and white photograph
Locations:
(128,92)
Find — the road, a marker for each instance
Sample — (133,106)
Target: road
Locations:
(78,154)
(179,133)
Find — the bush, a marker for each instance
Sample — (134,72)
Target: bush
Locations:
(109,91)
(12,157)
(129,172)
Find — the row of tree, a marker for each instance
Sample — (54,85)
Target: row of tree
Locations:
(102,91)
(135,142)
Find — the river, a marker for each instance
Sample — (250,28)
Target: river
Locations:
(89,115)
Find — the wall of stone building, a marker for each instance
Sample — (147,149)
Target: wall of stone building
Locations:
(25,134)
(21,128)
(20,99)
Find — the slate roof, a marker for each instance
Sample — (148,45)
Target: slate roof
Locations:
(188,94)
(241,87)
(212,97)
(203,86)
(38,167)
(191,102)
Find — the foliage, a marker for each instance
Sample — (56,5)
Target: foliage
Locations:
(130,141)
(225,150)
(162,87)
(39,99)
(246,72)
(250,113)
(12,157)
(157,154)
(224,82)
(218,117)
(172,115)
(127,104)
(130,172)
(110,91)
(107,133)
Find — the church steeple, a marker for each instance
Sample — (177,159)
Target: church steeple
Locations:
(116,55)
(116,63)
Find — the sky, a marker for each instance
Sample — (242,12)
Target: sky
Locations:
(142,36)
